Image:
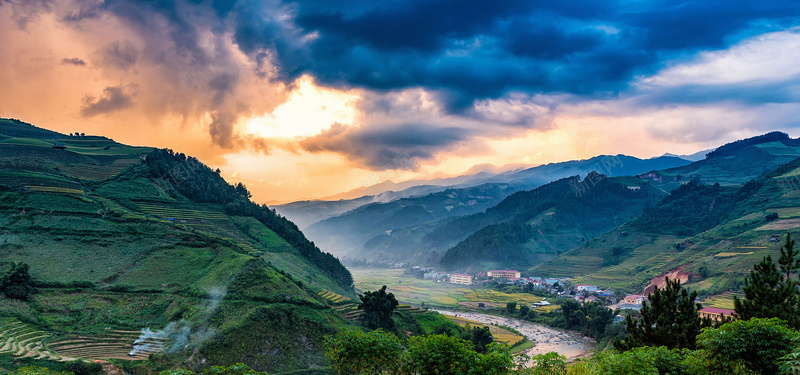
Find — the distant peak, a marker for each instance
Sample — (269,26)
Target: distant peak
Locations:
(733,147)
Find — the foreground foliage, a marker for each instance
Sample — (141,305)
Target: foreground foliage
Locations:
(670,319)
(771,290)
(352,351)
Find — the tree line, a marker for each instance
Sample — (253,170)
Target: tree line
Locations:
(199,183)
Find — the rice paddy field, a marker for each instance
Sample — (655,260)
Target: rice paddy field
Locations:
(500,334)
(413,291)
(722,301)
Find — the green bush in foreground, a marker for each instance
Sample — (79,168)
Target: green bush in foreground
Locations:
(237,369)
(354,352)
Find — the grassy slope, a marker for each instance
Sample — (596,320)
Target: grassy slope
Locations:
(728,249)
(146,256)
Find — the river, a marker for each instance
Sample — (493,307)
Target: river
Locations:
(567,343)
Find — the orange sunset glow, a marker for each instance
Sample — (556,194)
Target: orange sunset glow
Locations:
(271,112)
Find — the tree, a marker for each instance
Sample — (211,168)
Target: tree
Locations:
(79,367)
(511,307)
(481,337)
(33,370)
(790,363)
(237,369)
(550,363)
(523,311)
(378,307)
(590,318)
(16,281)
(755,344)
(670,319)
(771,291)
(356,352)
(439,354)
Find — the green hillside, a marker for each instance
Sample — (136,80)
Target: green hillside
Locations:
(710,235)
(732,164)
(530,227)
(120,238)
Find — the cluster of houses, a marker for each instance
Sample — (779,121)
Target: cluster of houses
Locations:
(512,277)
(581,292)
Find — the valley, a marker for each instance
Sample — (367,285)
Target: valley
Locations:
(147,259)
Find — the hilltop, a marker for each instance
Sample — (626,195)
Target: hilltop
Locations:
(122,238)
(707,232)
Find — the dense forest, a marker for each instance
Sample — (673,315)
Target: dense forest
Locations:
(693,208)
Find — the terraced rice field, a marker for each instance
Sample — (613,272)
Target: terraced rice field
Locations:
(332,297)
(646,262)
(97,172)
(722,301)
(56,190)
(21,340)
(26,178)
(115,344)
(26,142)
(211,222)
(728,254)
(166,212)
(351,311)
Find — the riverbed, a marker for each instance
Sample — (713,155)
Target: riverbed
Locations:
(567,343)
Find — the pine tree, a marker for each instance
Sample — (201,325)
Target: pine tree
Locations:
(378,307)
(771,291)
(670,319)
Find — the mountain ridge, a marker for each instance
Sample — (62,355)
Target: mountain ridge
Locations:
(147,237)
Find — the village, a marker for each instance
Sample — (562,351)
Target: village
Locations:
(561,288)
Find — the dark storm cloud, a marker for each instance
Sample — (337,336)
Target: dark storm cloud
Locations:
(482,49)
(383,147)
(73,61)
(459,52)
(113,99)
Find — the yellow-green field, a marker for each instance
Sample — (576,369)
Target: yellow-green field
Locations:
(414,291)
(722,301)
(500,334)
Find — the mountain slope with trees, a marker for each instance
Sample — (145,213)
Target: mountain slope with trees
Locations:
(150,238)
(530,227)
(707,234)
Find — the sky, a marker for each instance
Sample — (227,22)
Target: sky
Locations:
(305,99)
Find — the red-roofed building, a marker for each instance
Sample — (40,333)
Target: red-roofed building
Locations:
(504,274)
(715,313)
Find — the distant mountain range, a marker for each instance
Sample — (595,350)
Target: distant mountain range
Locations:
(404,226)
(731,165)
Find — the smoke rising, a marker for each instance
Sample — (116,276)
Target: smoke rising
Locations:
(179,335)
